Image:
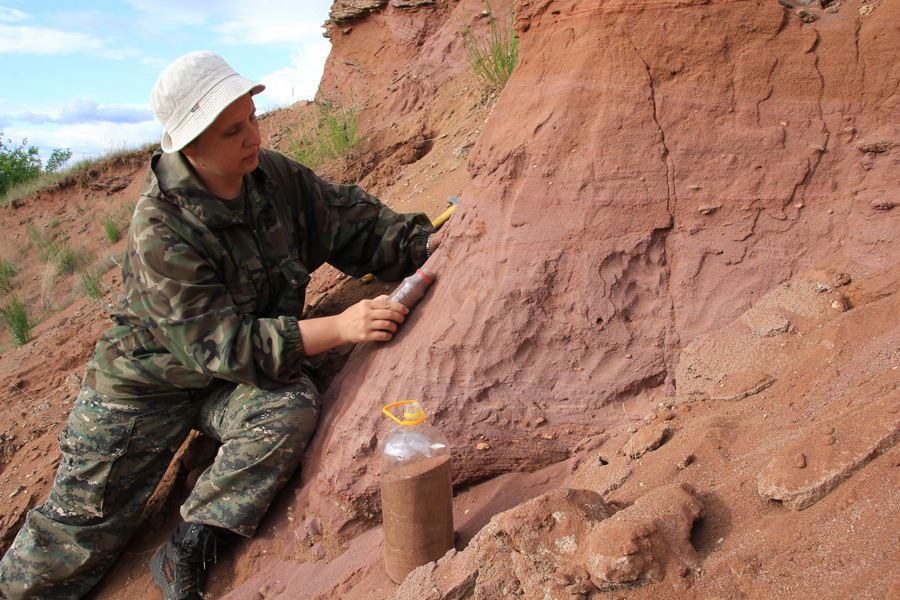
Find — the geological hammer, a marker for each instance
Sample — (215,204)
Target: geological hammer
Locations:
(454,202)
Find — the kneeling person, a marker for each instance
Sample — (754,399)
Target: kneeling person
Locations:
(208,337)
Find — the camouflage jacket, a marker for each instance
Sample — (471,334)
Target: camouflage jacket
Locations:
(208,297)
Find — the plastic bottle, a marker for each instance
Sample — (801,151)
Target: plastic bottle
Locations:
(416,493)
(413,288)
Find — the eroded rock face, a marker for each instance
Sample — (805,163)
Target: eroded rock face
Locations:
(640,543)
(647,174)
(566,544)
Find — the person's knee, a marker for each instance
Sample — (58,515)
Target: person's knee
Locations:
(288,412)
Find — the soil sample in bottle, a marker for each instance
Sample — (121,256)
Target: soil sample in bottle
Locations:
(416,493)
(412,288)
(418,515)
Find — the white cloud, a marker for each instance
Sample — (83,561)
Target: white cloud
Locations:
(42,40)
(34,118)
(11,15)
(89,139)
(84,110)
(297,82)
(177,12)
(273,21)
(240,22)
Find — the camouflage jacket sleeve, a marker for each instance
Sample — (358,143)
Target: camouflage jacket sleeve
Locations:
(187,306)
(351,229)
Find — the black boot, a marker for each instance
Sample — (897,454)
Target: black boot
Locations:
(179,566)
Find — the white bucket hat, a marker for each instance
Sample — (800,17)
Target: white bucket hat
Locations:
(192,92)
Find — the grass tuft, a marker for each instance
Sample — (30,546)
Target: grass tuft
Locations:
(329,135)
(55,250)
(493,57)
(92,283)
(111,227)
(8,272)
(15,313)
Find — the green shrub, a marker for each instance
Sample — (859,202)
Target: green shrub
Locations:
(17,163)
(58,159)
(15,313)
(21,164)
(329,135)
(8,272)
(494,56)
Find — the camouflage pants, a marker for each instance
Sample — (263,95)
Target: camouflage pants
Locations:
(115,452)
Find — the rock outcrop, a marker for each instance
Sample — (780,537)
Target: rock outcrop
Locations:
(648,174)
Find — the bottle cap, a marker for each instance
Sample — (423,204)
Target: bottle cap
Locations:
(412,413)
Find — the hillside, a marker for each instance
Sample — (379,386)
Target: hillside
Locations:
(664,340)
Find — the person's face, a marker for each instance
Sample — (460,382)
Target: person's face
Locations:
(229,148)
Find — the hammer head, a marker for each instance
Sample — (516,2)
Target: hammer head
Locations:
(453,201)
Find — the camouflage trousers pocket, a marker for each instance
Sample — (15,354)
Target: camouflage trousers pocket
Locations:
(93,440)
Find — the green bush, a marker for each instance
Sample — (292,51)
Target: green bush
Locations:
(17,163)
(329,135)
(21,164)
(15,313)
(58,158)
(493,57)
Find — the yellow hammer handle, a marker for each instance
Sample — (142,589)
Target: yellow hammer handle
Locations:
(436,224)
(443,218)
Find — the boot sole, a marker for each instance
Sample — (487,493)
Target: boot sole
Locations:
(158,578)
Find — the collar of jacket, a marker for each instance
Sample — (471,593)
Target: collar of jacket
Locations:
(171,178)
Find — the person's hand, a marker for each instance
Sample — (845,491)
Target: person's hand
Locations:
(366,321)
(371,320)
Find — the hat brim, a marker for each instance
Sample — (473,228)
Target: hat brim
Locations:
(207,111)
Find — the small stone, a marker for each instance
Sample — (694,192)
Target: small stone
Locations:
(800,460)
(806,16)
(828,440)
(685,462)
(879,204)
(73,383)
(842,279)
(582,588)
(312,526)
(318,551)
(483,446)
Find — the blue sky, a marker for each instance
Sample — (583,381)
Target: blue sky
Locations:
(78,74)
